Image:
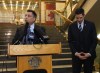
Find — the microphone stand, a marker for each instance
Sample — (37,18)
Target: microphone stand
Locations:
(42,41)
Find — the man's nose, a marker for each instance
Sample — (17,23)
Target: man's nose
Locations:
(25,17)
(79,19)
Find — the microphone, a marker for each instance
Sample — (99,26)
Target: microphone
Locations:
(42,40)
(46,37)
(41,35)
(18,41)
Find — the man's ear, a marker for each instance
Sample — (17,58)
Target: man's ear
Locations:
(34,19)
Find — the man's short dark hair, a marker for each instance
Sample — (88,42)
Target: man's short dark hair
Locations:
(33,12)
(79,11)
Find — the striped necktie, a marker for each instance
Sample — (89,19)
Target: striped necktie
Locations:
(80,27)
(30,36)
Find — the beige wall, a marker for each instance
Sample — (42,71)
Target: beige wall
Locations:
(6,16)
(88,5)
(43,13)
(59,6)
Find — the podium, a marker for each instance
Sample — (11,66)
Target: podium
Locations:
(30,57)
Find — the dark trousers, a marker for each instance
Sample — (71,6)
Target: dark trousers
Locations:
(87,65)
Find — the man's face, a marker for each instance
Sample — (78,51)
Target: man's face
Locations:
(29,17)
(79,18)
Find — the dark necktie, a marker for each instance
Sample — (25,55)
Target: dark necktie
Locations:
(80,27)
(30,36)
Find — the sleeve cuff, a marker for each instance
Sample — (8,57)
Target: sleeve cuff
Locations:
(89,54)
(76,53)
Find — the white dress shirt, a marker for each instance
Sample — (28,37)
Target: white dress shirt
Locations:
(32,28)
(82,24)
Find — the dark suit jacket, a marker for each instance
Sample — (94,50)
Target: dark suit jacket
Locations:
(22,31)
(84,41)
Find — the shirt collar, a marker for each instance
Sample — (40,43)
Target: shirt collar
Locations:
(82,24)
(32,27)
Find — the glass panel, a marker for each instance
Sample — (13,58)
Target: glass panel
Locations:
(13,11)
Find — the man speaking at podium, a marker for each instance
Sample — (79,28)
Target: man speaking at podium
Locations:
(30,33)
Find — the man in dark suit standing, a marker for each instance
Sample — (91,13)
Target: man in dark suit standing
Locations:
(30,33)
(82,40)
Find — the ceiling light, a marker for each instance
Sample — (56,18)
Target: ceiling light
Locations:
(29,5)
(16,5)
(5,7)
(11,5)
(22,5)
(36,3)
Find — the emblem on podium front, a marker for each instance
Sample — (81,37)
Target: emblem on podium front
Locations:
(34,61)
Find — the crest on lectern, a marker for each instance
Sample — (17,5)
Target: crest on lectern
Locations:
(34,61)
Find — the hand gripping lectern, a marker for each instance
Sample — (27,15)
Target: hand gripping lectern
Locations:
(38,56)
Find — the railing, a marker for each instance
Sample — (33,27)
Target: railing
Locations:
(64,17)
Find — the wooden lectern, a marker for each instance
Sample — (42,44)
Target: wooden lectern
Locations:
(28,55)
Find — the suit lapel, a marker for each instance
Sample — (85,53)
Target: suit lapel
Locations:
(76,26)
(85,26)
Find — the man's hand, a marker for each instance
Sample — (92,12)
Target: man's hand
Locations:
(87,55)
(82,55)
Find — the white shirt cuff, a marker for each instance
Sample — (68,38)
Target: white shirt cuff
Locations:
(89,54)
